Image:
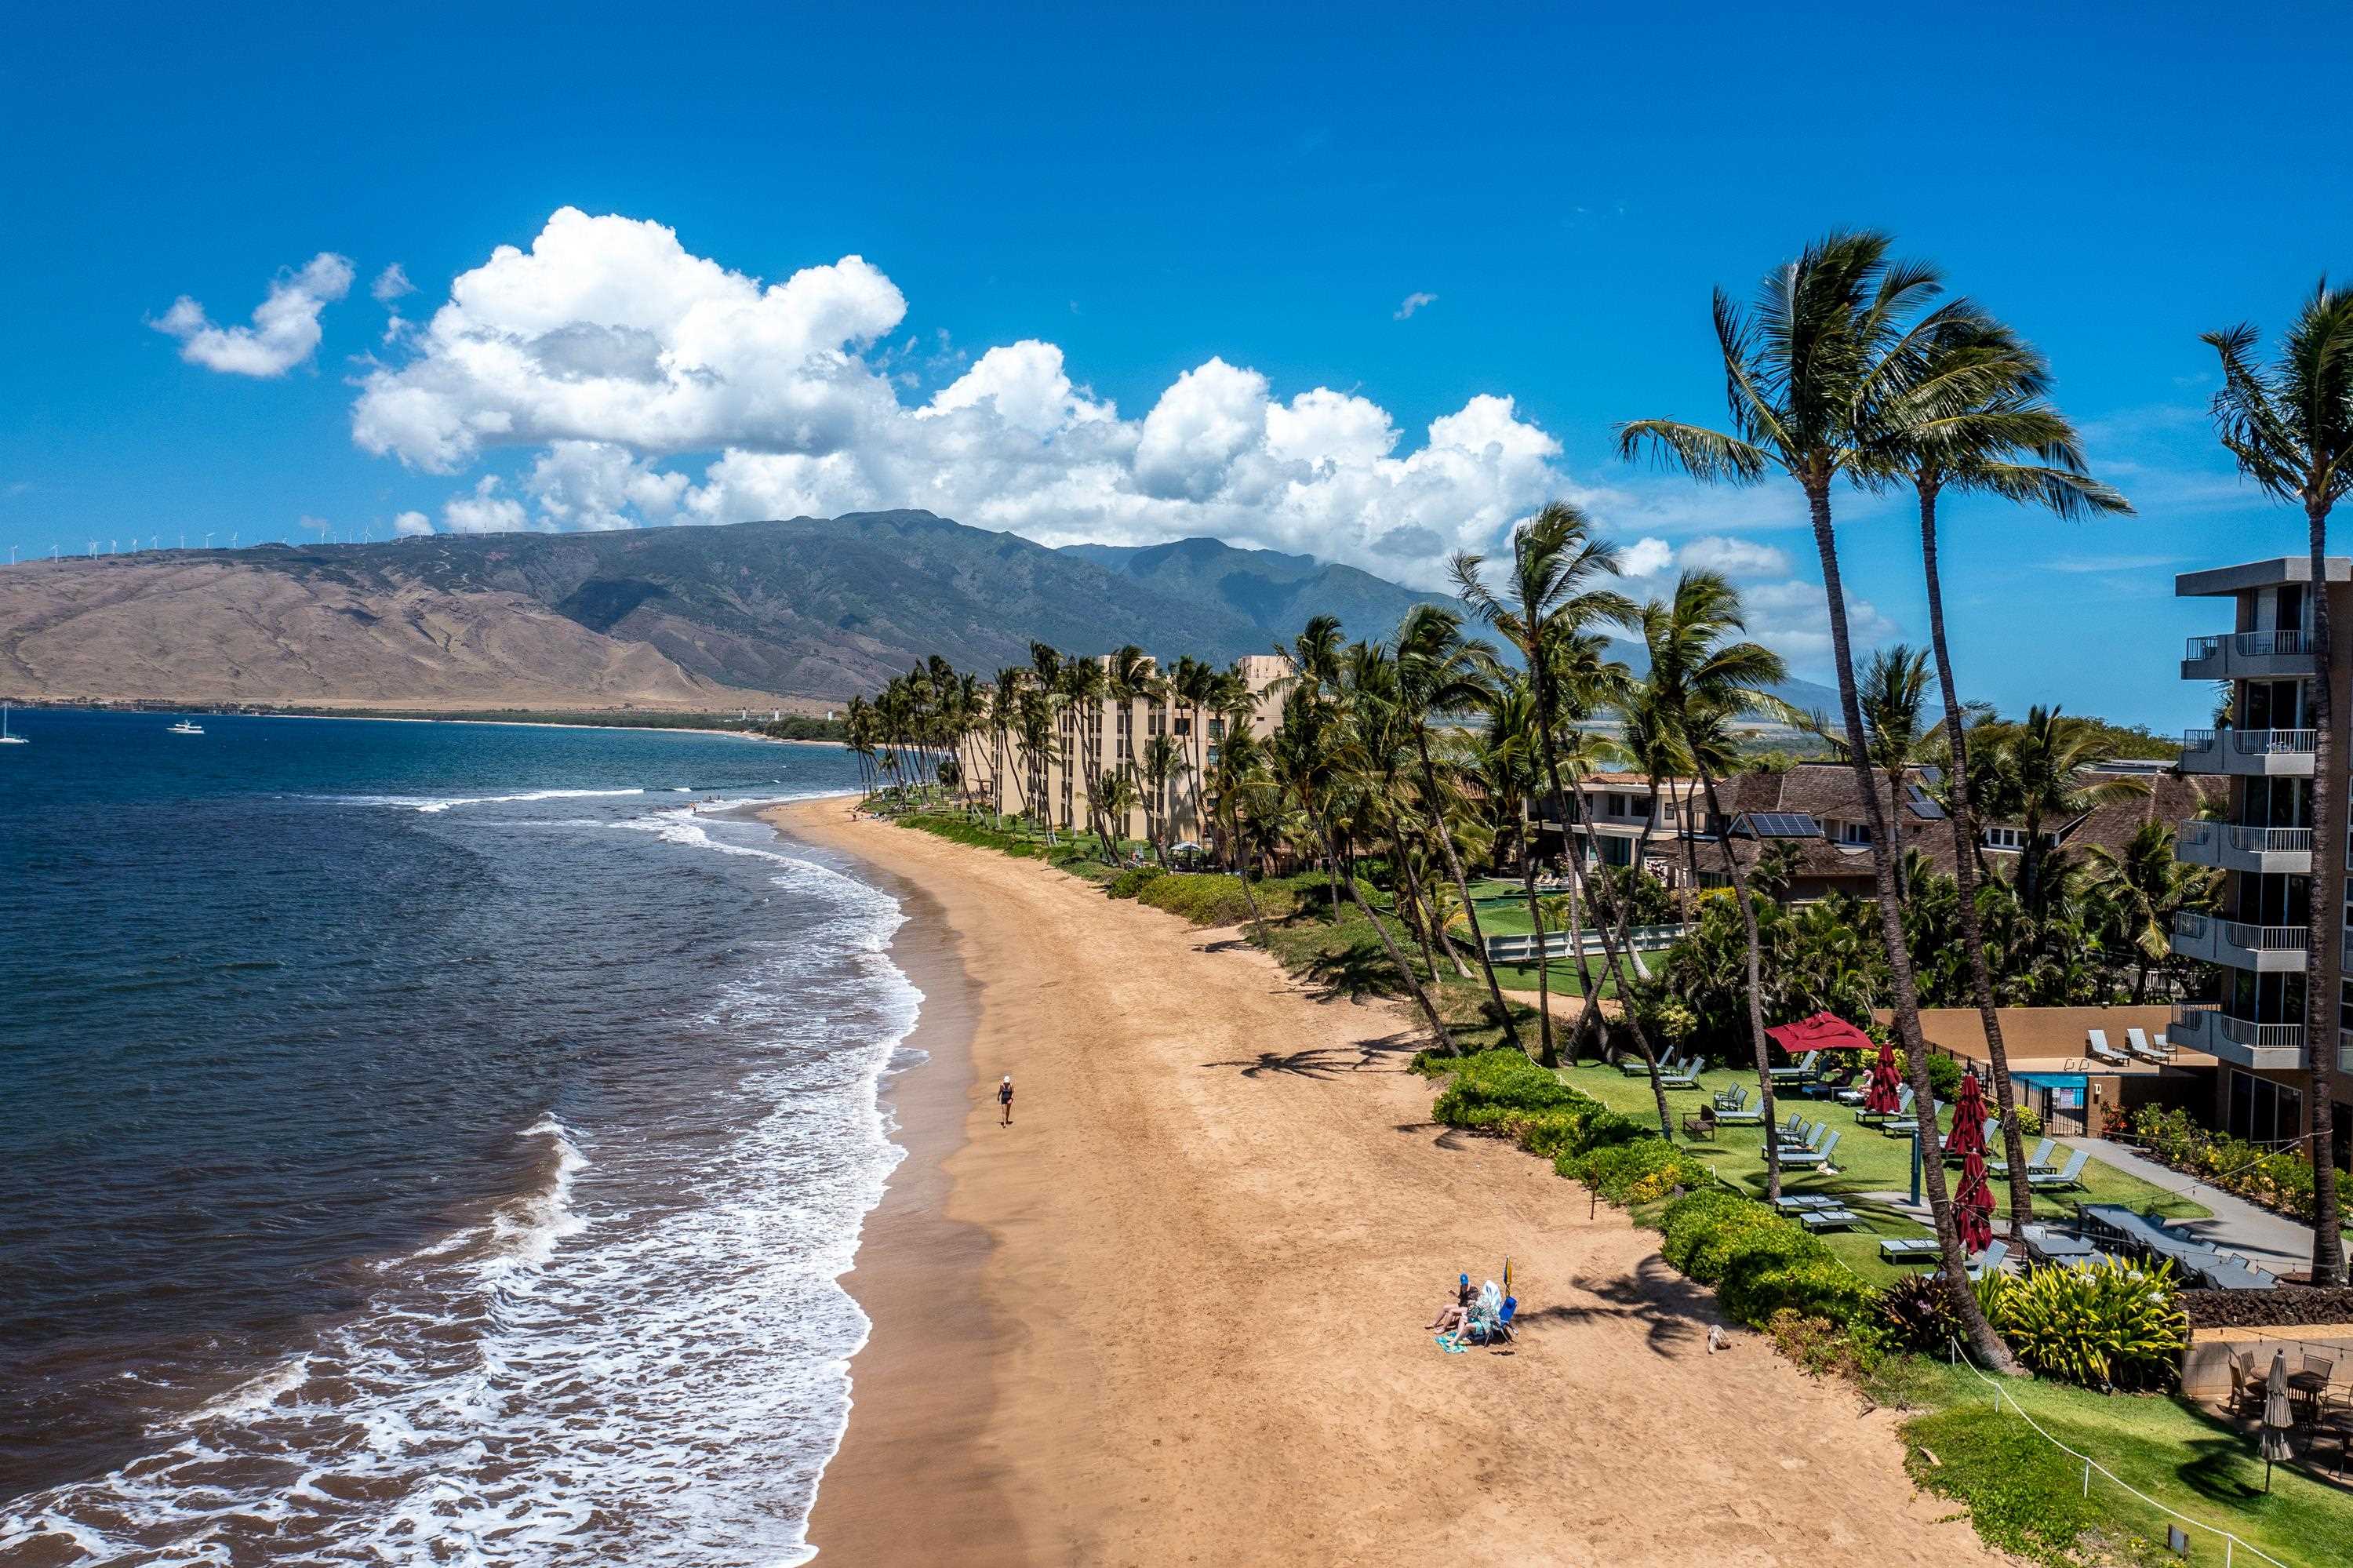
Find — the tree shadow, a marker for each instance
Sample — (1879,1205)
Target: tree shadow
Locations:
(1327,1061)
(1453,1139)
(1356,970)
(1675,1313)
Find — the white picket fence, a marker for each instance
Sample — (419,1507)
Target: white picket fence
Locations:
(1523,949)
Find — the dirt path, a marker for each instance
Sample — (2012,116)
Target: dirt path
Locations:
(1218,1223)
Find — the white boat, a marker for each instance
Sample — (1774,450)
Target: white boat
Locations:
(185,727)
(6,738)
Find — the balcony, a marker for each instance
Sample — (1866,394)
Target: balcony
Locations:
(2279,850)
(2265,949)
(2250,753)
(2248,656)
(2279,1046)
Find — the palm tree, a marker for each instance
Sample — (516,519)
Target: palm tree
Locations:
(1893,696)
(1118,797)
(2289,426)
(1239,773)
(1440,672)
(1046,668)
(1305,756)
(2143,888)
(1003,704)
(1512,776)
(1700,681)
(1195,684)
(1163,761)
(2044,772)
(1820,377)
(1554,559)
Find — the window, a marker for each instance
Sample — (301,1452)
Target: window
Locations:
(1620,805)
(2005,837)
(1854,833)
(1184,725)
(1217,729)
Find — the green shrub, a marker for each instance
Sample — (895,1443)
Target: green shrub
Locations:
(1208,898)
(1760,1263)
(2276,1178)
(1133,880)
(1641,1170)
(1919,1313)
(2113,1324)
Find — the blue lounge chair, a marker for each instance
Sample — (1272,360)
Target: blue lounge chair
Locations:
(2068,1175)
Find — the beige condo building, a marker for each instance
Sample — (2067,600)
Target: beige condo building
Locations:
(1109,739)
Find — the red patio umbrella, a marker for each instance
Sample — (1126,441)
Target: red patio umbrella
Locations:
(1884,1092)
(1822,1031)
(1973,1207)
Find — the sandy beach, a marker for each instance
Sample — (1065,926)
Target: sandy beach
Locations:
(1174,1313)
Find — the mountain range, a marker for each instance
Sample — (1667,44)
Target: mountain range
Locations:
(798,613)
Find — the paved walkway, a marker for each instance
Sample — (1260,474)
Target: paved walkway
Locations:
(2277,1243)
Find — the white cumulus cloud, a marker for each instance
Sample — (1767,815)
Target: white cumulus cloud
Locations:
(391,283)
(484,510)
(1413,301)
(410,523)
(285,330)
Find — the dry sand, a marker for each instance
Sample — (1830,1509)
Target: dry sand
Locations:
(1173,1314)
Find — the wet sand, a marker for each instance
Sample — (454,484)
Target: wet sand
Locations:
(1173,1314)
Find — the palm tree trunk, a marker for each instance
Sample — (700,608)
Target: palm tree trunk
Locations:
(1905,990)
(1462,884)
(1755,995)
(1548,1053)
(1414,914)
(1965,875)
(2323,957)
(1438,1034)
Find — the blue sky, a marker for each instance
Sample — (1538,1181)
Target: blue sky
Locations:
(1248,191)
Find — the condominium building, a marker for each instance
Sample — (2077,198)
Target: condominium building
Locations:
(2263,751)
(1110,738)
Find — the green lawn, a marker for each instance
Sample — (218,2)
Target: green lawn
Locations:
(2027,1496)
(1868,1161)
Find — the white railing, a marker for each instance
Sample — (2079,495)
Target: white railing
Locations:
(2240,934)
(2209,836)
(2271,644)
(2273,742)
(1523,949)
(2256,1036)
(2198,740)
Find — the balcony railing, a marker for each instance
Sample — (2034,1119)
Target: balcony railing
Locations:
(2273,742)
(2194,1021)
(2250,644)
(2249,751)
(2206,843)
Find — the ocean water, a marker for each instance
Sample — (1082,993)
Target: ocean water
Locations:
(426,1143)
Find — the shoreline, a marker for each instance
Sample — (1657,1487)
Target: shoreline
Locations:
(921,1377)
(1207,1248)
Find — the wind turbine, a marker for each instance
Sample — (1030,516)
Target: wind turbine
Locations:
(232,541)
(93,547)
(209,541)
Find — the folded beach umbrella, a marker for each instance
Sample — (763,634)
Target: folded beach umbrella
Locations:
(1884,1092)
(2277,1418)
(1973,1207)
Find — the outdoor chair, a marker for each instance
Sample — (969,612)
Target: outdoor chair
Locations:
(2038,1160)
(1732,1098)
(1903,1108)
(2246,1396)
(2068,1175)
(1906,1126)
(1830,1219)
(1746,1115)
(1991,1260)
(1816,1157)
(2311,1385)
(2137,1042)
(1701,1123)
(1798,1074)
(1805,1145)
(2096,1041)
(1791,1202)
(1988,1135)
(1683,1077)
(1908,1249)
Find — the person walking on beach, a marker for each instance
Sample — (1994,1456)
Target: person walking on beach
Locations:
(1004,1101)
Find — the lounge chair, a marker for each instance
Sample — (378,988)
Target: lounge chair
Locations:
(1798,1074)
(1988,1261)
(1988,1135)
(1501,1330)
(2137,1042)
(1732,1098)
(1791,1202)
(2096,1041)
(1684,1076)
(1745,1116)
(2038,1160)
(1830,1219)
(1818,1157)
(1908,1249)
(1903,1108)
(1906,1126)
(2068,1175)
(1805,1145)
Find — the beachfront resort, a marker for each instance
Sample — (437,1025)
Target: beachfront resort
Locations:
(1971,1057)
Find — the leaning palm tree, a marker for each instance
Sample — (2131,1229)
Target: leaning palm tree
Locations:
(2289,426)
(1700,681)
(1440,672)
(1556,562)
(1821,375)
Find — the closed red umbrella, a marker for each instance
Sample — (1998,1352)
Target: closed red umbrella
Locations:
(1973,1206)
(1884,1091)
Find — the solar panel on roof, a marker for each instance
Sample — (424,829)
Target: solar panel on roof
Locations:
(1924,805)
(1783,825)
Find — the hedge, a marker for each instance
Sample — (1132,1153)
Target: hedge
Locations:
(1760,1262)
(2276,1178)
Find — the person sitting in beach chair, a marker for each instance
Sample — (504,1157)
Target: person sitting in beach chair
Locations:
(1451,1318)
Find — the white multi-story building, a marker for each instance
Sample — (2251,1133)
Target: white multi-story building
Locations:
(2266,923)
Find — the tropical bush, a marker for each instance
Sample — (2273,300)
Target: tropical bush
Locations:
(1639,1170)
(1502,1091)
(2113,1324)
(2276,1178)
(1919,1313)
(1760,1263)
(1218,899)
(1133,881)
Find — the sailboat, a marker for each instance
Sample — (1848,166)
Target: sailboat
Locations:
(6,738)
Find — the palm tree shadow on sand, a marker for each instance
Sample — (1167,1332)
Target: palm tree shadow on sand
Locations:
(1675,1314)
(1381,1055)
